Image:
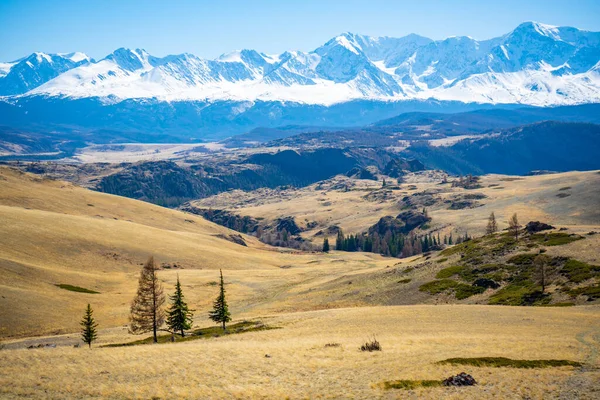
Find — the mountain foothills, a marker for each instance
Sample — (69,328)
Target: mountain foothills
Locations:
(351,80)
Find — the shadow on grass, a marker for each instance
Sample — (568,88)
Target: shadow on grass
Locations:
(509,363)
(202,333)
(75,288)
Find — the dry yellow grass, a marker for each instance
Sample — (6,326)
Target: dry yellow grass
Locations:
(56,233)
(531,197)
(413,338)
(53,232)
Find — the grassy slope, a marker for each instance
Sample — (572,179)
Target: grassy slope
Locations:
(532,197)
(56,233)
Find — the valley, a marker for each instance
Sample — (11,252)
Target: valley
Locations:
(338,215)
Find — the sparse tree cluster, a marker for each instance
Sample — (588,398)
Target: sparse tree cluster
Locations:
(147,314)
(390,244)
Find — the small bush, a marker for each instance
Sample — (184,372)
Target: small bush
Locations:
(437,287)
(372,345)
(578,271)
(462,291)
(523,259)
(410,384)
(450,271)
(407,280)
(332,345)
(555,238)
(592,292)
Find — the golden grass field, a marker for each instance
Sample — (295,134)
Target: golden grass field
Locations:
(413,339)
(531,197)
(57,233)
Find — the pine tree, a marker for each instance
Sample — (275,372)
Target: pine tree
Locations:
(146,309)
(326,245)
(450,239)
(179,316)
(88,327)
(339,241)
(492,226)
(513,226)
(220,313)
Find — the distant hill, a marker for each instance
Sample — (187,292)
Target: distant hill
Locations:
(552,146)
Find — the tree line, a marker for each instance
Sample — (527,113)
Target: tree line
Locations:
(147,313)
(393,244)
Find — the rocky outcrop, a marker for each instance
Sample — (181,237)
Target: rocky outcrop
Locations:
(399,168)
(461,379)
(404,223)
(537,226)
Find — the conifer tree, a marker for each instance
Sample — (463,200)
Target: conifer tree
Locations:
(450,239)
(88,327)
(220,313)
(179,316)
(339,241)
(326,245)
(513,226)
(146,309)
(492,226)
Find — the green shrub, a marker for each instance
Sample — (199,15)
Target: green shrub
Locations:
(462,291)
(593,292)
(523,259)
(410,384)
(450,271)
(578,271)
(555,238)
(439,286)
(509,363)
(511,295)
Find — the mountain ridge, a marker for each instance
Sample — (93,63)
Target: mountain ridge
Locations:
(534,64)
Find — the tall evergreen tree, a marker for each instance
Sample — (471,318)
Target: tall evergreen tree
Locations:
(326,245)
(220,313)
(179,316)
(492,225)
(339,241)
(88,327)
(146,309)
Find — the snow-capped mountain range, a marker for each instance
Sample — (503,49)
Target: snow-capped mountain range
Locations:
(534,64)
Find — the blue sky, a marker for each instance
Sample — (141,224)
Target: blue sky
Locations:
(210,28)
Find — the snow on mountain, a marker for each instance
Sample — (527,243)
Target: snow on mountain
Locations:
(534,64)
(22,75)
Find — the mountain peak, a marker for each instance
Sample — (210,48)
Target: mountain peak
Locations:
(532,27)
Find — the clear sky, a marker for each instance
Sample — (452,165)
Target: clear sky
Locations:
(210,28)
